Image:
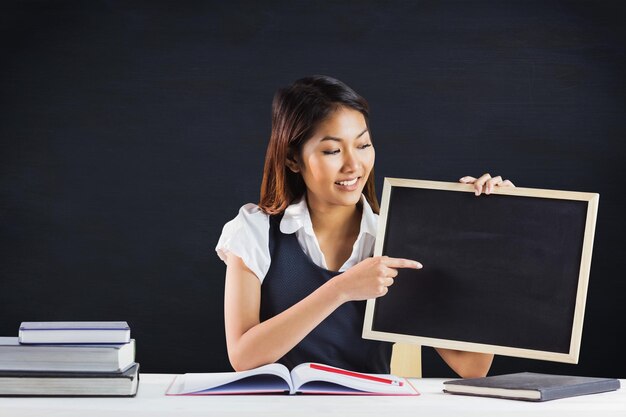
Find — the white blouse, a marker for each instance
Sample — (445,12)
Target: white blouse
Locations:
(247,236)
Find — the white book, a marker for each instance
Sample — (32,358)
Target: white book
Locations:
(64,332)
(68,358)
(306,378)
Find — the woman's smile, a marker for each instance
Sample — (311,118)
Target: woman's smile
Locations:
(348,185)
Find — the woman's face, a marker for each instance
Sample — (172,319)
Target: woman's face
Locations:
(336,161)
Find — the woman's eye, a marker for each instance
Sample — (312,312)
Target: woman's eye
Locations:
(336,151)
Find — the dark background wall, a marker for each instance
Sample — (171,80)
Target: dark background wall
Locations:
(131,132)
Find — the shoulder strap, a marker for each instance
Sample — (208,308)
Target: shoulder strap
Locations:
(274,230)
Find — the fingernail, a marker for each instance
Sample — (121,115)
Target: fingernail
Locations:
(477,192)
(418,265)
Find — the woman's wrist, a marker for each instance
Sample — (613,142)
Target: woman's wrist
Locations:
(337,290)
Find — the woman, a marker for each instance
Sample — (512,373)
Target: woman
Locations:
(299,263)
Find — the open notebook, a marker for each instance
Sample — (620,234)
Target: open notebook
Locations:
(306,378)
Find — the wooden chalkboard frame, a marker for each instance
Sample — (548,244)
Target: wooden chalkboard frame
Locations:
(592,200)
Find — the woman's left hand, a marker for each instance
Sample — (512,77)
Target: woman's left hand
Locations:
(486,183)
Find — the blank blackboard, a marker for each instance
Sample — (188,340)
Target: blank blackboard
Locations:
(505,273)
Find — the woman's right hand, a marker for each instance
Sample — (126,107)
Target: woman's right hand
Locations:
(371,277)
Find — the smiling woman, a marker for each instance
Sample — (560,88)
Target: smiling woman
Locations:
(299,264)
(300,118)
(335,170)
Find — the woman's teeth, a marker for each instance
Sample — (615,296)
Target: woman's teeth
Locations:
(348,183)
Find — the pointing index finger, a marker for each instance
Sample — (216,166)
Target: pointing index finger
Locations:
(403,263)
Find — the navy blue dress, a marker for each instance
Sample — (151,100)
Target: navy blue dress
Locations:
(336,341)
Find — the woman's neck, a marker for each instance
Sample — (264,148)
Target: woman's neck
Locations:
(335,220)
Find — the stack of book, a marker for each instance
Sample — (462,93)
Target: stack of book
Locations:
(69,359)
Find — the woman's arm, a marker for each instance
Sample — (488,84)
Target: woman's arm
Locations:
(467,364)
(252,343)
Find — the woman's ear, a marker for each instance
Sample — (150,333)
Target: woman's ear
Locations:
(292,163)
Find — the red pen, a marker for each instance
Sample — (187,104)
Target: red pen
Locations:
(356,374)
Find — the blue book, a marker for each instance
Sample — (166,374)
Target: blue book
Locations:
(530,386)
(68,332)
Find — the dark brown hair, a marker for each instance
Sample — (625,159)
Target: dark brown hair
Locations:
(296,112)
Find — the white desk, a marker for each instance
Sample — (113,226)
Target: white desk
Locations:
(151,401)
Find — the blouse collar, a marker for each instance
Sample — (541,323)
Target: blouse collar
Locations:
(297,217)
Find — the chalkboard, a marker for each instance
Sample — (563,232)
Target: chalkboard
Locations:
(505,273)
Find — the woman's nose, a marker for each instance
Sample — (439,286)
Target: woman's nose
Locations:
(350,161)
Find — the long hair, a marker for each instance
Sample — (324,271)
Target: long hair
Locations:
(296,112)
